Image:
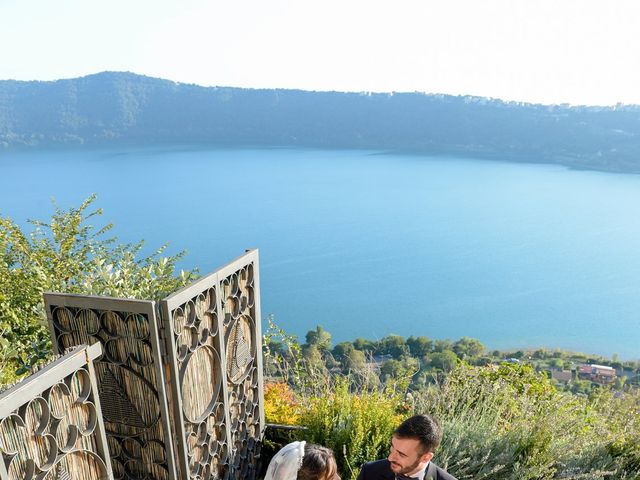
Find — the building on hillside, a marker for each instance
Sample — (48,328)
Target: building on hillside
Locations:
(564,376)
(597,373)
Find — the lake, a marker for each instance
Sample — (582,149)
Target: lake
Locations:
(367,244)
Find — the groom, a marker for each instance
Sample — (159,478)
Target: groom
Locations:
(412,447)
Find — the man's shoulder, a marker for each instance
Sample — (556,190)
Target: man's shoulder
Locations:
(377,465)
(442,474)
(379,469)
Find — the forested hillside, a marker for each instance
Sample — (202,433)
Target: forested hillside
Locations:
(118,108)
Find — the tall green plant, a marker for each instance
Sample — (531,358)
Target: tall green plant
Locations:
(356,425)
(69,255)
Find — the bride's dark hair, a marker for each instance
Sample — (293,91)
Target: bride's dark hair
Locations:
(318,464)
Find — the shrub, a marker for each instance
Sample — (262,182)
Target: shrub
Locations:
(280,404)
(509,423)
(357,426)
(68,256)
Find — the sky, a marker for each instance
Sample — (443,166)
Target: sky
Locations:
(580,52)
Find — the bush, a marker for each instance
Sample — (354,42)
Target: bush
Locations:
(509,423)
(357,426)
(502,422)
(68,256)
(280,404)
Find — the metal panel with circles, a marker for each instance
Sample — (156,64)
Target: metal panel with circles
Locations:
(238,284)
(130,377)
(181,385)
(213,341)
(50,423)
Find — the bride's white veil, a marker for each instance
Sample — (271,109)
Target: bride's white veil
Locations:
(286,463)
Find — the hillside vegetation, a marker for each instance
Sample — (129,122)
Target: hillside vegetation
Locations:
(501,421)
(114,108)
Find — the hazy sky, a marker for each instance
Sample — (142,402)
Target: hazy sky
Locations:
(549,51)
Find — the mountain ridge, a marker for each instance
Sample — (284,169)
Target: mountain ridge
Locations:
(111,108)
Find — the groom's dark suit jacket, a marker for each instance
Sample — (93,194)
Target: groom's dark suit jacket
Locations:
(381,470)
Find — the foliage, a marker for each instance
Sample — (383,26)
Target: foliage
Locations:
(405,367)
(507,422)
(468,347)
(280,404)
(444,361)
(501,420)
(349,357)
(319,338)
(282,356)
(419,346)
(622,412)
(393,345)
(357,426)
(67,255)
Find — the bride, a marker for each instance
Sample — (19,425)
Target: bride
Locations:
(303,461)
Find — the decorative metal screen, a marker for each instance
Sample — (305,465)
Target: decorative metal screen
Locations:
(50,423)
(130,378)
(191,385)
(238,284)
(214,347)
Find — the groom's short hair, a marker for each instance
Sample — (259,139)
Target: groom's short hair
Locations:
(423,428)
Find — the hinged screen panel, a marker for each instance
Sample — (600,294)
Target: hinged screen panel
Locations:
(239,286)
(191,325)
(50,423)
(130,377)
(216,344)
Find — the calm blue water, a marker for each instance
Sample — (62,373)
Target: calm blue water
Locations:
(368,244)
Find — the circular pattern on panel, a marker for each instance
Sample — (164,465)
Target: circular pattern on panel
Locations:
(126,377)
(244,412)
(47,434)
(75,326)
(207,454)
(127,381)
(194,323)
(237,294)
(133,457)
(125,336)
(241,348)
(127,339)
(195,327)
(201,384)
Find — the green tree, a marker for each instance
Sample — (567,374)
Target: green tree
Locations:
(558,363)
(399,368)
(442,345)
(540,354)
(581,386)
(69,256)
(468,348)
(419,346)
(444,361)
(393,345)
(313,357)
(319,338)
(354,361)
(342,349)
(363,345)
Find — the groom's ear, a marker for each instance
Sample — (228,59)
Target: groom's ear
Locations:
(426,457)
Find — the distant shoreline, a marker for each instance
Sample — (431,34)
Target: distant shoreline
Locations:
(176,146)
